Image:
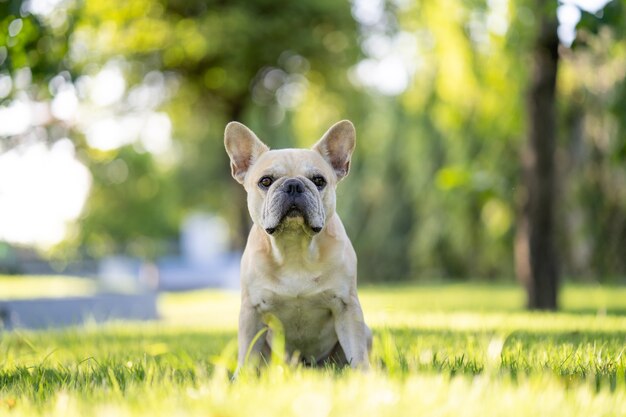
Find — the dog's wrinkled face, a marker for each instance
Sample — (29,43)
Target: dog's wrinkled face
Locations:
(290,190)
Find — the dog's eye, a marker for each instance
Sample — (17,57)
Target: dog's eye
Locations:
(319,181)
(265,182)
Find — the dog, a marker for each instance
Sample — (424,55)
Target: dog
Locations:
(298,265)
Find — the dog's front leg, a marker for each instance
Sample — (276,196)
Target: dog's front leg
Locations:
(250,324)
(352,332)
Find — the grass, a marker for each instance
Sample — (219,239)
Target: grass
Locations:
(20,287)
(441,350)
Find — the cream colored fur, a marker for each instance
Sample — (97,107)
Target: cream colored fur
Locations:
(301,267)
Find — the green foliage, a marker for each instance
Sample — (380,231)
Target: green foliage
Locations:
(593,123)
(446,164)
(433,190)
(223,74)
(438,349)
(611,17)
(25,42)
(134,207)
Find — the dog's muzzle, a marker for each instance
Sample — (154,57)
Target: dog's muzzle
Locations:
(292,199)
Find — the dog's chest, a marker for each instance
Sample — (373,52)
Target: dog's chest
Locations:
(299,301)
(305,310)
(298,292)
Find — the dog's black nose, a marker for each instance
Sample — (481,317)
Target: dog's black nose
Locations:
(293,187)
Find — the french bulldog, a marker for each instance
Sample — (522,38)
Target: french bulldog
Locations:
(299,265)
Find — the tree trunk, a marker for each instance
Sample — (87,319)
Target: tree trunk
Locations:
(536,257)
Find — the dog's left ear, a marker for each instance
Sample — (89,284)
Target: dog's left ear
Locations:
(337,145)
(243,148)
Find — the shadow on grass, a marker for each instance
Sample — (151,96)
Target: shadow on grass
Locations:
(611,311)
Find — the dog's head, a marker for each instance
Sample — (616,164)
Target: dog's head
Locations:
(290,189)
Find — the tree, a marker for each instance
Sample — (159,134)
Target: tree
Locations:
(240,60)
(435,182)
(537,258)
(233,61)
(537,263)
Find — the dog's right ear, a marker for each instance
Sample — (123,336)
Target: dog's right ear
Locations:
(243,148)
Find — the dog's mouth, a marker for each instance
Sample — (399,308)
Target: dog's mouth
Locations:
(293,211)
(293,216)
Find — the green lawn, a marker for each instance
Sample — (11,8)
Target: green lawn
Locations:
(19,287)
(440,350)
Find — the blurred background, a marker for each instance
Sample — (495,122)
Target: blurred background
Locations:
(112,116)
